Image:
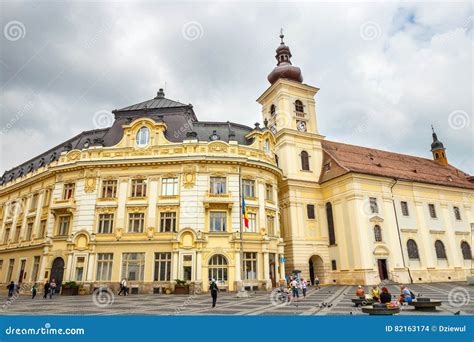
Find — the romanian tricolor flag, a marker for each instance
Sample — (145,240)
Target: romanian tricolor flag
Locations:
(244,213)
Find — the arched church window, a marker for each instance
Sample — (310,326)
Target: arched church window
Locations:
(272,110)
(378,233)
(466,251)
(299,106)
(412,249)
(440,250)
(330,219)
(304,160)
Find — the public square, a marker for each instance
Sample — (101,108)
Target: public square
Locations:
(456,299)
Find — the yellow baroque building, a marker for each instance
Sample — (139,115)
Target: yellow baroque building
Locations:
(157,197)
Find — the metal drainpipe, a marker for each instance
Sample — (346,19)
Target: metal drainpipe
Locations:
(398,231)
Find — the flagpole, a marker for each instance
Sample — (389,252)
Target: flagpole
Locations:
(242,288)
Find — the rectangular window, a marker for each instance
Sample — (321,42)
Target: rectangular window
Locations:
(11,264)
(104,266)
(169,186)
(168,222)
(374,208)
(217,221)
(17,233)
(133,266)
(42,232)
(106,224)
(269,192)
(432,210)
(80,262)
(1,264)
(310,211)
(64,222)
(217,185)
(404,206)
(252,223)
(138,188)
(46,198)
(334,265)
(34,202)
(109,188)
(457,213)
(271,225)
(248,188)
(68,191)
(36,263)
(250,265)
(136,222)
(162,267)
(6,237)
(29,231)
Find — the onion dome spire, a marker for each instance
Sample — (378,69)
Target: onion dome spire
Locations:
(284,68)
(438,150)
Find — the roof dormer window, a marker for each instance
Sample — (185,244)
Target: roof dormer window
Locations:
(143,137)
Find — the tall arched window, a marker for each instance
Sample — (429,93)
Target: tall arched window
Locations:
(304,160)
(218,268)
(332,235)
(143,136)
(466,251)
(412,249)
(378,233)
(440,250)
(272,110)
(299,106)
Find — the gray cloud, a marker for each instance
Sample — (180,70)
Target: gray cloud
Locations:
(386,71)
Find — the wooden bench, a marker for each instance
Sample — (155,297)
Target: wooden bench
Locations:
(425,304)
(380,310)
(362,301)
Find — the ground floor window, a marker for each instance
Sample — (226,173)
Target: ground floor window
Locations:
(80,264)
(34,273)
(250,265)
(104,266)
(133,266)
(11,264)
(218,268)
(162,267)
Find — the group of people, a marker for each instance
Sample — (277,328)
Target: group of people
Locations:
(123,287)
(383,295)
(49,289)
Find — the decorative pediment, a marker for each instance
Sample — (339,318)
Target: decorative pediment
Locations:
(376,219)
(381,250)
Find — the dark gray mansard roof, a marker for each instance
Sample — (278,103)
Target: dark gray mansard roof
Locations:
(180,119)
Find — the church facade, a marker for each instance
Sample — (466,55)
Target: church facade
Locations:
(158,197)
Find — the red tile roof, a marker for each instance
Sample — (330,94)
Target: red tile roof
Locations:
(351,158)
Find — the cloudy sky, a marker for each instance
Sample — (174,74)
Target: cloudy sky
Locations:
(386,71)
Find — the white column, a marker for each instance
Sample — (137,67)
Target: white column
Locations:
(174,269)
(42,269)
(90,267)
(69,264)
(122,200)
(266,268)
(238,276)
(152,197)
(282,267)
(198,266)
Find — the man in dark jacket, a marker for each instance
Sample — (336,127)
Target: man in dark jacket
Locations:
(11,289)
(46,289)
(214,289)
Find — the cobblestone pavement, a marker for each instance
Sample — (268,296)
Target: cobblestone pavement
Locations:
(454,296)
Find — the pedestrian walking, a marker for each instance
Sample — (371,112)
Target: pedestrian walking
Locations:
(123,287)
(214,290)
(303,287)
(46,289)
(316,282)
(11,289)
(34,290)
(294,290)
(52,288)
